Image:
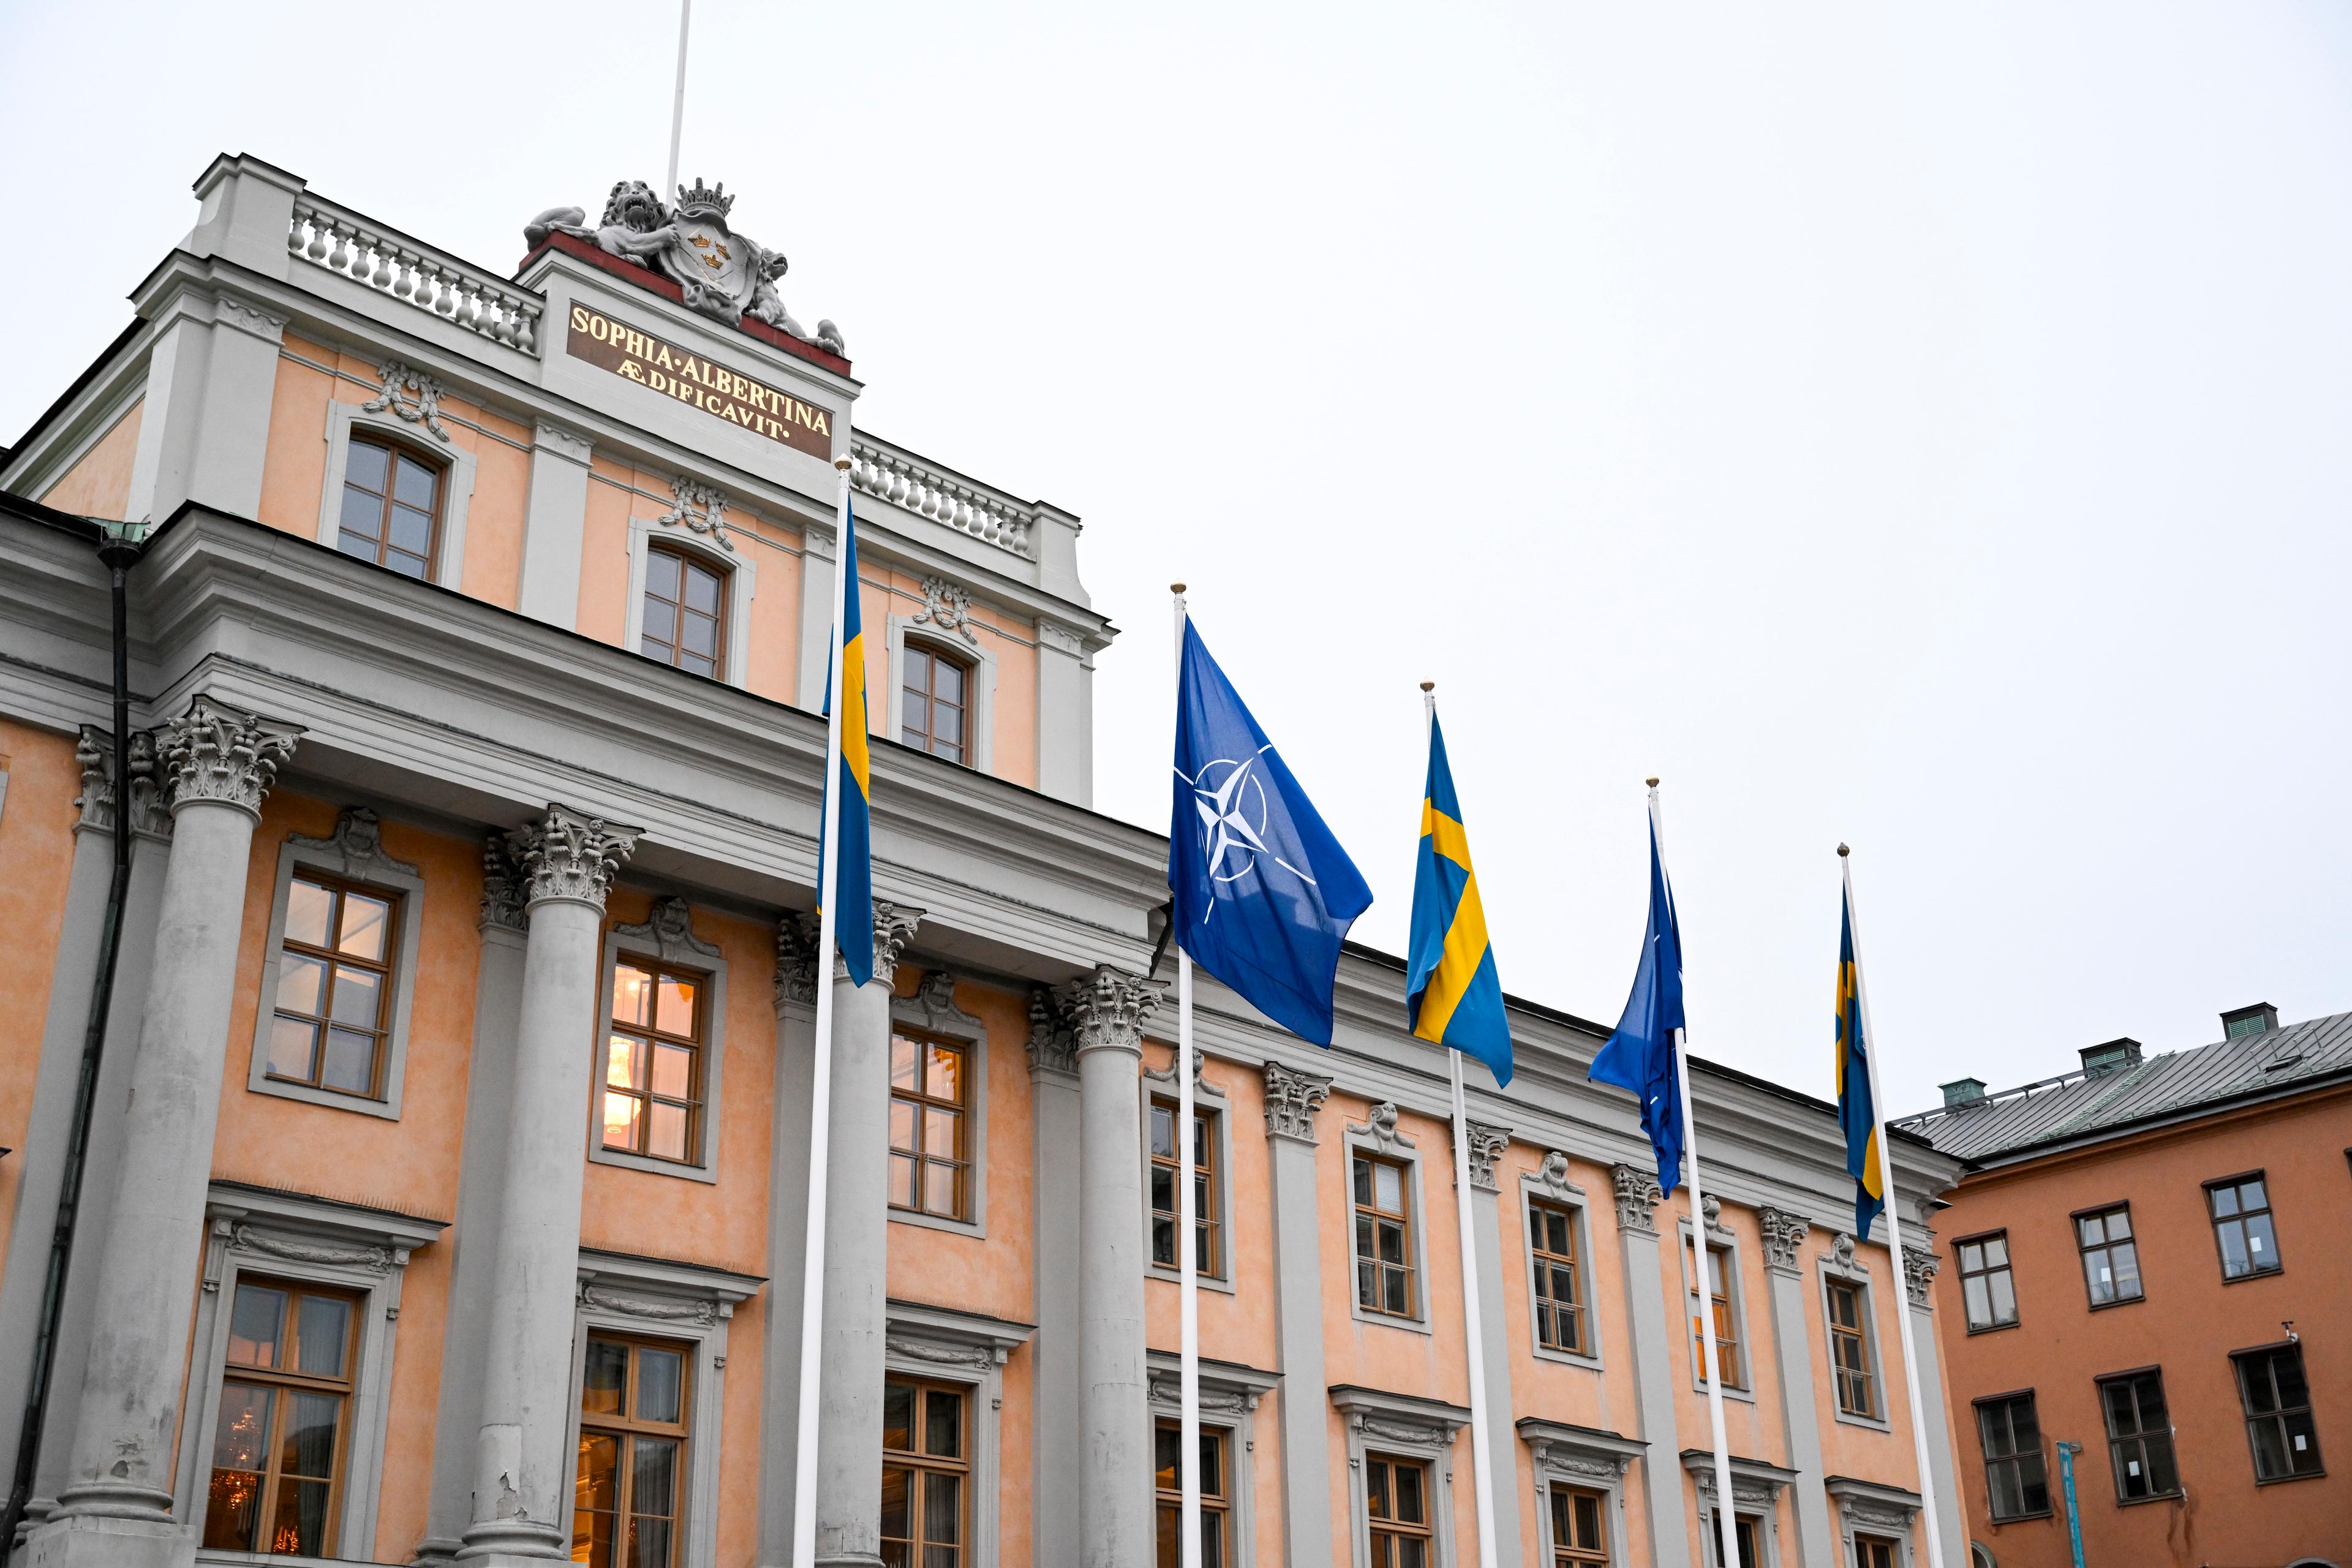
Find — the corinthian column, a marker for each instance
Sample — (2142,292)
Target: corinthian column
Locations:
(857,1253)
(1106,1012)
(115,1509)
(522,1480)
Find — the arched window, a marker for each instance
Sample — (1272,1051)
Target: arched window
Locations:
(685,612)
(935,704)
(392,508)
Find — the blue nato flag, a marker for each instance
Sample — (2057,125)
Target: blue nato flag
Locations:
(1264,894)
(853,887)
(1453,996)
(1640,1055)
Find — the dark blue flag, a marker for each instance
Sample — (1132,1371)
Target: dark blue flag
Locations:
(1264,893)
(1641,1055)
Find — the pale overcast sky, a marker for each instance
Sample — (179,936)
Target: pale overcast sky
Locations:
(1920,426)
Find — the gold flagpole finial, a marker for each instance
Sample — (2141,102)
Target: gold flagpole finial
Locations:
(841,462)
(1844,852)
(1175,587)
(1429,686)
(1654,784)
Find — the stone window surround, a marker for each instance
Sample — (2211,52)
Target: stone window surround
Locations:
(1369,1137)
(1587,1460)
(1721,1235)
(353,854)
(979,660)
(688,1304)
(940,1344)
(736,569)
(1405,1427)
(932,1009)
(313,1241)
(1539,1186)
(457,466)
(1229,1397)
(1842,1262)
(1870,1508)
(1206,1096)
(665,936)
(1755,1488)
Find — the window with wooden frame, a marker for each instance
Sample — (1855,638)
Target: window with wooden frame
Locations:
(1988,1293)
(1579,1529)
(333,1007)
(931,1087)
(1167,1495)
(685,612)
(1876,1551)
(392,507)
(1715,1306)
(279,1445)
(2110,1256)
(1849,1310)
(935,703)
(2017,1476)
(1384,1271)
(1745,1541)
(653,1062)
(1397,1511)
(2240,1207)
(1167,1170)
(926,1473)
(2277,1400)
(2140,1435)
(1559,1293)
(629,1497)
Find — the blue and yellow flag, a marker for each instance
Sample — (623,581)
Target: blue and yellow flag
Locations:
(1856,1113)
(854,844)
(1452,995)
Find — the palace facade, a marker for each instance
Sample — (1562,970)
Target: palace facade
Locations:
(448,1179)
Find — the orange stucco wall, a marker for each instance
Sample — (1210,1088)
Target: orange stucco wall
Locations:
(99,483)
(36,849)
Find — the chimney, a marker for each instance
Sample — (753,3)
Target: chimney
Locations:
(1963,1091)
(2113,1056)
(2238,1022)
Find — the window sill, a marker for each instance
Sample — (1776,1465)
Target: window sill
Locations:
(600,1155)
(1161,1271)
(2143,1501)
(1746,1395)
(2000,1519)
(1591,1362)
(1869,1423)
(976,1229)
(1384,1321)
(2121,1301)
(2253,1274)
(2320,1475)
(330,1099)
(1999,1329)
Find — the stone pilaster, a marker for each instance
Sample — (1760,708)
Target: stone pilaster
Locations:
(1487,1145)
(1792,1348)
(522,1476)
(1653,1328)
(1056,1413)
(1107,1011)
(1920,1264)
(788,1185)
(216,764)
(1292,1099)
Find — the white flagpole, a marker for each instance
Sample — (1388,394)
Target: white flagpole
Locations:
(1726,1520)
(1894,1230)
(1188,1283)
(820,1081)
(677,100)
(1482,1458)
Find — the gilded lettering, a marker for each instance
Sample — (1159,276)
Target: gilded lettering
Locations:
(579,318)
(629,368)
(661,356)
(821,428)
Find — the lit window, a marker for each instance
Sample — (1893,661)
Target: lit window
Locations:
(278,1451)
(2278,1413)
(2140,1435)
(1396,1499)
(1560,1301)
(1718,1306)
(1166,1170)
(392,508)
(2110,1258)
(2017,1479)
(630,1489)
(2242,1226)
(334,987)
(1580,1538)
(1986,1290)
(1383,1238)
(652,1067)
(1167,1495)
(935,703)
(925,1469)
(685,612)
(928,1162)
(1850,1349)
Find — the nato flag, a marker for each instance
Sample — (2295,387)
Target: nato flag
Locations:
(1640,1055)
(1264,893)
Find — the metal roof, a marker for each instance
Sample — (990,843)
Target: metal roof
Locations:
(2079,1106)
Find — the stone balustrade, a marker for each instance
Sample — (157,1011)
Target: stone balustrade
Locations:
(906,481)
(342,241)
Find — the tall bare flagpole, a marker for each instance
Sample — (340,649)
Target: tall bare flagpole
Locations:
(1188,1283)
(1894,1229)
(678,98)
(820,1080)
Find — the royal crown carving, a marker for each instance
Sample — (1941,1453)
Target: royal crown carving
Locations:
(1486,1146)
(570,856)
(1292,1098)
(1637,1195)
(213,752)
(1108,1008)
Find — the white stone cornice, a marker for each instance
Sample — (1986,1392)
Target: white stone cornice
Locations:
(215,753)
(569,857)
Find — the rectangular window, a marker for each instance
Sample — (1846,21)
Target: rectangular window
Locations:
(1396,1501)
(285,1406)
(1744,1537)
(1986,1290)
(929,1164)
(1872,1552)
(926,1470)
(1168,1491)
(933,703)
(1717,1307)
(2242,1226)
(685,612)
(652,1069)
(334,987)
(1580,1537)
(631,1488)
(2110,1258)
(1167,1170)
(2017,1481)
(1383,1238)
(2278,1413)
(2140,1435)
(1857,1394)
(1559,1298)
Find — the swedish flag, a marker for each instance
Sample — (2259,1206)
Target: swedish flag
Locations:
(1452,995)
(1856,1113)
(853,889)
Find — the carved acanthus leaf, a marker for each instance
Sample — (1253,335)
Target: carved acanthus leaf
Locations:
(1919,1267)
(1784,1236)
(1292,1098)
(1637,1195)
(570,855)
(1108,1008)
(1052,1047)
(651,1308)
(295,1249)
(940,1354)
(215,753)
(1486,1146)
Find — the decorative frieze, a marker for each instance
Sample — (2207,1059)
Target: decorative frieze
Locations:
(357,845)
(1380,1129)
(1397,1429)
(652,1309)
(1919,1267)
(1784,1237)
(1486,1146)
(668,930)
(572,857)
(1165,1388)
(215,753)
(248,317)
(298,1249)
(1108,1008)
(1292,1098)
(1637,1195)
(409,395)
(937,1354)
(700,509)
(947,607)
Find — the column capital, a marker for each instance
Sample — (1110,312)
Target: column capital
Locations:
(1292,1098)
(223,754)
(1052,1047)
(1784,1235)
(94,750)
(796,944)
(569,857)
(1637,1194)
(1486,1146)
(1919,1267)
(1108,1008)
(503,883)
(795,962)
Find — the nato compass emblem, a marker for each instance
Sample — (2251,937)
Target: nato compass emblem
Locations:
(1231,799)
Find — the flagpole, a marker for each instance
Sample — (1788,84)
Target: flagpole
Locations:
(1726,1529)
(1894,1225)
(1482,1458)
(1188,1283)
(677,100)
(820,1080)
